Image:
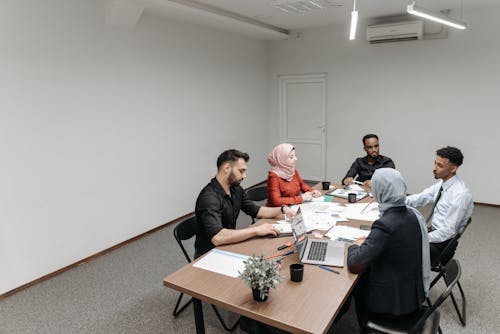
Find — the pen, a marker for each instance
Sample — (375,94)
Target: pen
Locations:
(358,183)
(371,201)
(329,269)
(278,255)
(288,244)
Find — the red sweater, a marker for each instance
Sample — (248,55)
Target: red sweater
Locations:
(281,192)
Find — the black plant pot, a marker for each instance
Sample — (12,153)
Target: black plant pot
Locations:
(257,296)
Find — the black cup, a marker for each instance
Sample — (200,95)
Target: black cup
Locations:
(326,185)
(351,197)
(296,272)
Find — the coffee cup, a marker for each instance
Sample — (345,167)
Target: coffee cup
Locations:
(296,272)
(325,185)
(351,197)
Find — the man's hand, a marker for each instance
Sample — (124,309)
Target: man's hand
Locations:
(359,241)
(289,213)
(316,193)
(368,183)
(348,181)
(266,229)
(307,197)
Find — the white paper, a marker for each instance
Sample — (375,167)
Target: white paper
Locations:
(353,211)
(343,193)
(355,187)
(346,232)
(222,262)
(319,215)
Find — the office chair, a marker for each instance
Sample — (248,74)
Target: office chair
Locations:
(185,230)
(257,194)
(428,320)
(439,266)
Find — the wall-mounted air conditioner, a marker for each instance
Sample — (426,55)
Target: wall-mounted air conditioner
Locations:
(395,32)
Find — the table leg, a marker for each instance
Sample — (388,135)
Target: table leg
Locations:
(198,316)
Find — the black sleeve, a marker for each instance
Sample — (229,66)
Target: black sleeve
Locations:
(359,257)
(208,210)
(248,206)
(389,163)
(353,171)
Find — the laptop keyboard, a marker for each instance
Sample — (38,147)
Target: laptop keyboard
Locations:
(317,251)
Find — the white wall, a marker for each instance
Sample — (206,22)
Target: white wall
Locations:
(108,132)
(418,96)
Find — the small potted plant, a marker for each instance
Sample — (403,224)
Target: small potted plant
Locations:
(261,274)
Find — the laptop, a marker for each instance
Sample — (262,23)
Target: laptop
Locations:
(316,251)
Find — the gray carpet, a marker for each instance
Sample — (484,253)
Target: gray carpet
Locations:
(122,292)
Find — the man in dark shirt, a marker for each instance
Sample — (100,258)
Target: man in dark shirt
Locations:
(219,204)
(365,166)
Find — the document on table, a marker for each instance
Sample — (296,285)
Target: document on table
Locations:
(320,215)
(222,262)
(343,193)
(346,233)
(353,211)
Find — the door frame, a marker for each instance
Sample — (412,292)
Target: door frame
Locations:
(321,78)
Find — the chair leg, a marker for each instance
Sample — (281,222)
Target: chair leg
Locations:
(461,315)
(178,311)
(226,327)
(436,279)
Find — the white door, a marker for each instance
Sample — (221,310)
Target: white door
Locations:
(303,114)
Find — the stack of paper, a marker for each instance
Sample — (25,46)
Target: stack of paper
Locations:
(343,193)
(362,211)
(346,233)
(320,215)
(222,262)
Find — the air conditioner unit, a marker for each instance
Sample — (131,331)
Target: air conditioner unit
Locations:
(395,32)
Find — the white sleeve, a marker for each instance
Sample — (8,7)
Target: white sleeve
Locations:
(424,198)
(455,214)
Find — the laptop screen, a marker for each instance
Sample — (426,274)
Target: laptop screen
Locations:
(299,232)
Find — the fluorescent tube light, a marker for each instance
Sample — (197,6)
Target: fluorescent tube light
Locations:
(354,23)
(437,17)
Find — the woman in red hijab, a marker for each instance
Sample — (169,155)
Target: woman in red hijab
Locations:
(284,183)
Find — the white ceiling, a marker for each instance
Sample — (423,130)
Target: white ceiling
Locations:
(254,17)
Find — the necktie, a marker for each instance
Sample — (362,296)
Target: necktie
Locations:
(428,220)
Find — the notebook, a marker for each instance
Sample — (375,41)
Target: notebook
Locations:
(316,251)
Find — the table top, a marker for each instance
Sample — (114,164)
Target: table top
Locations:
(309,306)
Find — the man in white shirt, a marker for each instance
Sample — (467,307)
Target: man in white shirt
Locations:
(452,205)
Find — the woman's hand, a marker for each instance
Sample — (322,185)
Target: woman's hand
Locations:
(306,197)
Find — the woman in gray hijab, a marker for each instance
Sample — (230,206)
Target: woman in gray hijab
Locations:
(394,258)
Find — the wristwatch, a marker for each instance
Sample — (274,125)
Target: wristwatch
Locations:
(283,208)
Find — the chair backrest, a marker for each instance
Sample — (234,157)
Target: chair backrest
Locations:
(452,242)
(257,194)
(453,273)
(185,230)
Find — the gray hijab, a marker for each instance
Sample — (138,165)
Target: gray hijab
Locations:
(389,190)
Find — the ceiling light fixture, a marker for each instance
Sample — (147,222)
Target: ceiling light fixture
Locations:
(437,17)
(304,6)
(354,22)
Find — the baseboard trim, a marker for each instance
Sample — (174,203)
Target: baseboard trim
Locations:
(487,204)
(99,254)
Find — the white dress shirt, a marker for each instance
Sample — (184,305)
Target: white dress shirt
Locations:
(452,210)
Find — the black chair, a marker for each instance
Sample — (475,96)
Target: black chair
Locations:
(428,319)
(439,265)
(257,194)
(185,230)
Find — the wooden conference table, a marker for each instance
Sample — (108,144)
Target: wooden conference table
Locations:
(309,306)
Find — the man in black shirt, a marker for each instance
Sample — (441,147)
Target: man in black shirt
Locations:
(365,167)
(219,204)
